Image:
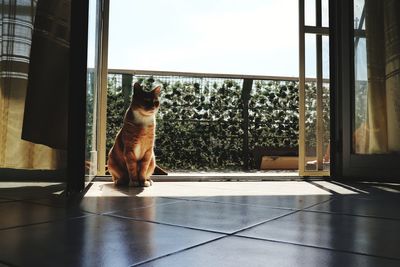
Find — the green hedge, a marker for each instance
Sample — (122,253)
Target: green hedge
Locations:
(200,122)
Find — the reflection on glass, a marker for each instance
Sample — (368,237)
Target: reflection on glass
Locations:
(325,57)
(91,93)
(376,118)
(326,126)
(310,126)
(317,120)
(325,13)
(309,15)
(325,103)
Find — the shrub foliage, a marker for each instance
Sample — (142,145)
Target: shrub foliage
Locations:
(201,123)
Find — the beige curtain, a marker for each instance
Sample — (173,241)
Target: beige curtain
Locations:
(16,24)
(382,129)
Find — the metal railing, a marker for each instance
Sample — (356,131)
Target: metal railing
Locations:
(229,103)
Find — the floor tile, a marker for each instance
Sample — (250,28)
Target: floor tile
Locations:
(385,208)
(95,241)
(372,190)
(30,190)
(235,251)
(113,204)
(349,233)
(207,189)
(18,213)
(336,188)
(226,218)
(259,188)
(289,202)
(159,189)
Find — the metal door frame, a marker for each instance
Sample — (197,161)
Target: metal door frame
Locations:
(318,30)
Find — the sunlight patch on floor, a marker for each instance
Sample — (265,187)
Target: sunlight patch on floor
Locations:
(205,189)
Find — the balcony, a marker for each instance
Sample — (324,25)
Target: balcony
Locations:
(213,122)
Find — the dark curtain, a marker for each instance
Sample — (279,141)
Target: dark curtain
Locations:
(46,106)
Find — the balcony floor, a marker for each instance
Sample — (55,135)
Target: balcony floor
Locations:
(275,223)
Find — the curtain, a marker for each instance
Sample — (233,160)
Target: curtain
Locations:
(16,26)
(392,48)
(46,109)
(382,129)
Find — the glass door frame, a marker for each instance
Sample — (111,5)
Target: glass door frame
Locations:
(346,164)
(76,178)
(318,30)
(77,98)
(102,94)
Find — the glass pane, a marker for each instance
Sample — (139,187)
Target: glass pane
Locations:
(274,123)
(310,103)
(317,135)
(91,94)
(310,126)
(199,124)
(325,13)
(359,14)
(310,56)
(236,37)
(376,96)
(309,12)
(326,104)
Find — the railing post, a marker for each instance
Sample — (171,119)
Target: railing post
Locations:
(246,89)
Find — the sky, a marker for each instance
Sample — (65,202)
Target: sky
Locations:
(251,37)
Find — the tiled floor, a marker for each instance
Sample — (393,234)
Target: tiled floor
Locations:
(300,223)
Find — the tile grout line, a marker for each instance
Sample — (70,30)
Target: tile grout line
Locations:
(225,235)
(292,211)
(307,209)
(279,217)
(330,249)
(163,223)
(8,264)
(233,234)
(316,247)
(176,252)
(138,208)
(47,222)
(240,204)
(353,215)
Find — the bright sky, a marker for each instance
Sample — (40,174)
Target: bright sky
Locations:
(256,37)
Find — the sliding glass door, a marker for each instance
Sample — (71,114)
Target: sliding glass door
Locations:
(368,76)
(314,88)
(92,89)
